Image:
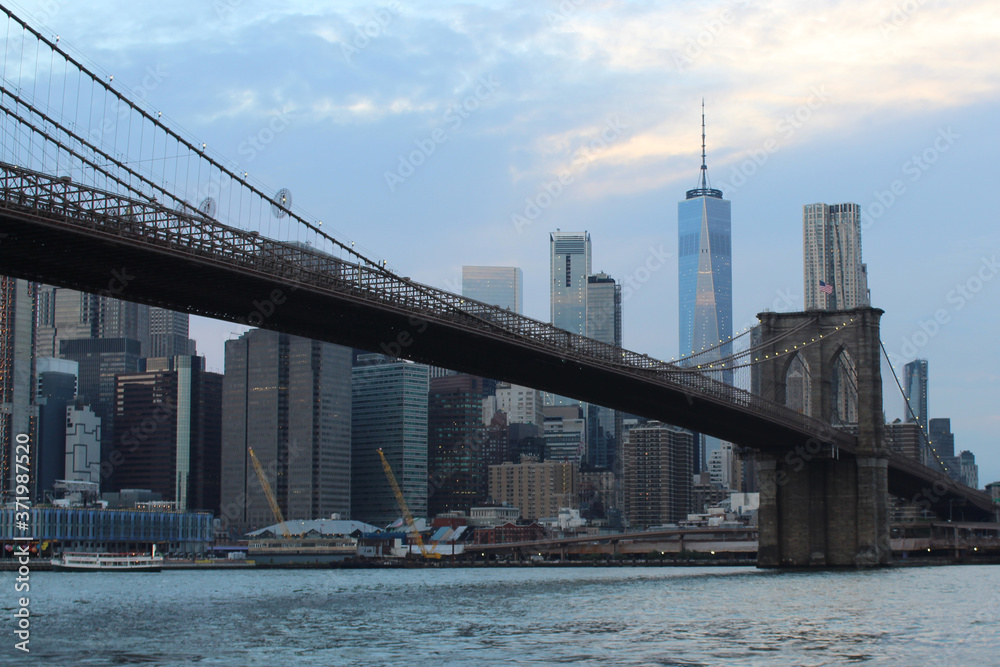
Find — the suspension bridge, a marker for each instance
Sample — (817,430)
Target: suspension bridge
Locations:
(98,193)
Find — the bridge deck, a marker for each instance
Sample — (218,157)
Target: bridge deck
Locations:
(58,232)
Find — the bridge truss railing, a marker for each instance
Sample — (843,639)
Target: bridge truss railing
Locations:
(140,221)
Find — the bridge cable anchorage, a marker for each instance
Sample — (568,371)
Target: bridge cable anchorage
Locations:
(924,439)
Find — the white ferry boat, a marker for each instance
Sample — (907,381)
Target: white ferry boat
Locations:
(107,562)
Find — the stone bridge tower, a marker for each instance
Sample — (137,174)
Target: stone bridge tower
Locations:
(819,505)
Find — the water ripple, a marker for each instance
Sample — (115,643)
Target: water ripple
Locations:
(683,617)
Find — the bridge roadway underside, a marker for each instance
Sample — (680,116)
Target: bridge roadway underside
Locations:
(63,256)
(35,248)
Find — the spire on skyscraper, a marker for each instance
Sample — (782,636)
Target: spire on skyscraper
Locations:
(703,190)
(704,167)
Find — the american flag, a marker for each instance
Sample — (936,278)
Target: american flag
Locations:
(824,288)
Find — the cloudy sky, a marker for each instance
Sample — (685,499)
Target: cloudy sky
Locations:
(435,134)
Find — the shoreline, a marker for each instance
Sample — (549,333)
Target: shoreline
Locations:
(10,565)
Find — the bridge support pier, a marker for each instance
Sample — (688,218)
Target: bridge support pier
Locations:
(825,512)
(820,506)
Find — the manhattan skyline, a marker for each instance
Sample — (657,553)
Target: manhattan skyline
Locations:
(526,119)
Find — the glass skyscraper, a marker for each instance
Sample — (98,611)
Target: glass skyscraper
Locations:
(456,467)
(388,412)
(289,398)
(501,286)
(705,270)
(604,309)
(942,443)
(915,388)
(604,323)
(705,280)
(569,267)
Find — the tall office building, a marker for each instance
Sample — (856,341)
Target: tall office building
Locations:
(168,334)
(942,443)
(168,431)
(501,286)
(705,271)
(906,438)
(705,281)
(604,309)
(526,440)
(657,474)
(915,390)
(725,468)
(388,412)
(604,323)
(124,319)
(834,276)
(55,392)
(455,464)
(497,445)
(968,471)
(569,266)
(18,413)
(565,433)
(289,398)
(522,405)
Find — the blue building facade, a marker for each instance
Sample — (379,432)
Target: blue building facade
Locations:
(705,270)
(705,281)
(94,529)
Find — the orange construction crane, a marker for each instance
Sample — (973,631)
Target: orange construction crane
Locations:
(270,495)
(404,508)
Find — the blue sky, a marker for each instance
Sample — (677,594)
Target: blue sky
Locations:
(435,135)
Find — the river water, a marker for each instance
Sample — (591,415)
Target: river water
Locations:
(521,616)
